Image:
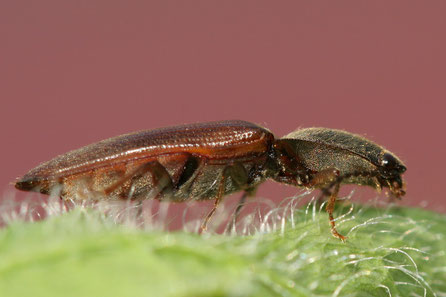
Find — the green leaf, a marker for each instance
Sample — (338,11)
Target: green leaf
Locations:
(389,252)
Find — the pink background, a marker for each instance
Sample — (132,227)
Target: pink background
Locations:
(75,72)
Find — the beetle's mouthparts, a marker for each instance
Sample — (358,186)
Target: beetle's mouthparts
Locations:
(397,188)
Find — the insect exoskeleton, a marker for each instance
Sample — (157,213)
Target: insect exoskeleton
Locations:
(210,160)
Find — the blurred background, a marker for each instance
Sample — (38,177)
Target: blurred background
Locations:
(76,72)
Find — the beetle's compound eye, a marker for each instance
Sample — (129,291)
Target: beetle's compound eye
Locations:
(389,162)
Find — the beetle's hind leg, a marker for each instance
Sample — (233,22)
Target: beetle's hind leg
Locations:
(129,186)
(161,180)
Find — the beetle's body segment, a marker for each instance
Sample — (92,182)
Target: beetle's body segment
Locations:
(211,160)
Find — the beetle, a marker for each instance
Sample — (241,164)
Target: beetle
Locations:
(210,160)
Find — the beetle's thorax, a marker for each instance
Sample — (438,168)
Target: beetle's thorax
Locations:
(284,166)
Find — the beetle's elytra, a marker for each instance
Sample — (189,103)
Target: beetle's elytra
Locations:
(211,160)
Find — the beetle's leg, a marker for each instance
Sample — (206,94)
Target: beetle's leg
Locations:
(161,181)
(137,172)
(204,225)
(241,203)
(237,211)
(334,183)
(330,208)
(241,178)
(220,193)
(330,181)
(160,178)
(324,177)
(238,175)
(139,209)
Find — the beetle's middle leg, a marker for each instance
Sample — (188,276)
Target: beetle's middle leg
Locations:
(220,193)
(204,224)
(239,177)
(241,203)
(161,182)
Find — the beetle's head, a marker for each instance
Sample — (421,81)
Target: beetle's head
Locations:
(390,171)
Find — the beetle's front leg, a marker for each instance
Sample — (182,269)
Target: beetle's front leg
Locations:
(329,180)
(330,208)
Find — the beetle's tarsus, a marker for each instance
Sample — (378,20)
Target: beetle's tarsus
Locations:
(336,234)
